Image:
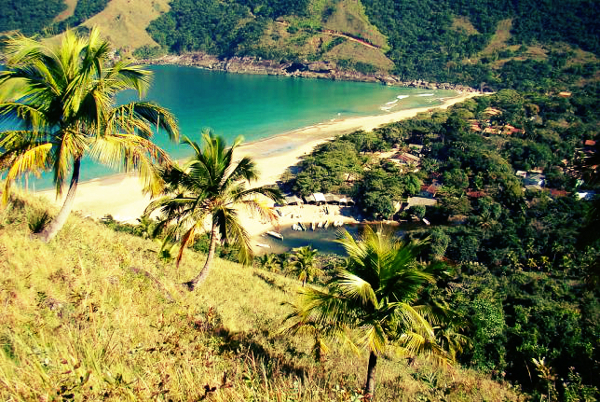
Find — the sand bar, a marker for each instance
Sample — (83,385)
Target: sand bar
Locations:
(121,195)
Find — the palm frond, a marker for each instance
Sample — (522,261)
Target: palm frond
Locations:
(32,159)
(356,288)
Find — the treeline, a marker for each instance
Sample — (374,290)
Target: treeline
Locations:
(526,258)
(36,17)
(29,16)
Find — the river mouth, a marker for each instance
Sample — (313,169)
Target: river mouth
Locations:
(324,240)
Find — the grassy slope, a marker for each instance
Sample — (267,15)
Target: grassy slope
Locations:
(499,42)
(125,21)
(75,320)
(347,17)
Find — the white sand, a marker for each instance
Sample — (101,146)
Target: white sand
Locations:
(121,195)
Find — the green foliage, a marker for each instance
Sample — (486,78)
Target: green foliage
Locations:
(38,221)
(148,52)
(217,27)
(28,16)
(329,168)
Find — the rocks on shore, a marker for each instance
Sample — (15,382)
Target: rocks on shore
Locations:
(319,69)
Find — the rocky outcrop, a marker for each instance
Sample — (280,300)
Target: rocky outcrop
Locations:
(318,69)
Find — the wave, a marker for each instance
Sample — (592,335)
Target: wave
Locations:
(402,96)
(392,102)
(425,95)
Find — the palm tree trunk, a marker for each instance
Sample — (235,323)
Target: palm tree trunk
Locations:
(370,386)
(198,280)
(59,221)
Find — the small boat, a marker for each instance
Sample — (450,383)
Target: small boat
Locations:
(263,245)
(302,227)
(275,234)
(425,221)
(327,224)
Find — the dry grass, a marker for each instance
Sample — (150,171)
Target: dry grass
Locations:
(125,21)
(359,53)
(76,323)
(71,4)
(462,24)
(500,37)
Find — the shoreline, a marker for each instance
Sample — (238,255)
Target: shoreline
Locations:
(316,70)
(120,195)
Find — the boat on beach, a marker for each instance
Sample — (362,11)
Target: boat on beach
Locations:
(313,226)
(302,227)
(327,224)
(275,234)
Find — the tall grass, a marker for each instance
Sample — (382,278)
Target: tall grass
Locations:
(96,315)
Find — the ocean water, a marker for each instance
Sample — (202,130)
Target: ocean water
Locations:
(257,106)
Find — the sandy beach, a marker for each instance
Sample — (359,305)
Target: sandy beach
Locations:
(121,195)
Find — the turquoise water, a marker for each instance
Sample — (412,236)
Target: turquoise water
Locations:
(258,106)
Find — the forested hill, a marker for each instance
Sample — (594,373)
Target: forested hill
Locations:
(522,44)
(34,16)
(466,41)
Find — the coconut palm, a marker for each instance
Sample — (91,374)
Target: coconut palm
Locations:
(208,189)
(61,98)
(303,262)
(373,297)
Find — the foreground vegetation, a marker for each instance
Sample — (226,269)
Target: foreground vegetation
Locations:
(97,314)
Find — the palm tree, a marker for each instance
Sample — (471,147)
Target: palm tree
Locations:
(208,189)
(62,99)
(374,296)
(303,262)
(268,262)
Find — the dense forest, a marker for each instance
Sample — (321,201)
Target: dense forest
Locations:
(29,16)
(427,43)
(35,17)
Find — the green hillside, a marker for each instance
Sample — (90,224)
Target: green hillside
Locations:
(504,44)
(96,315)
